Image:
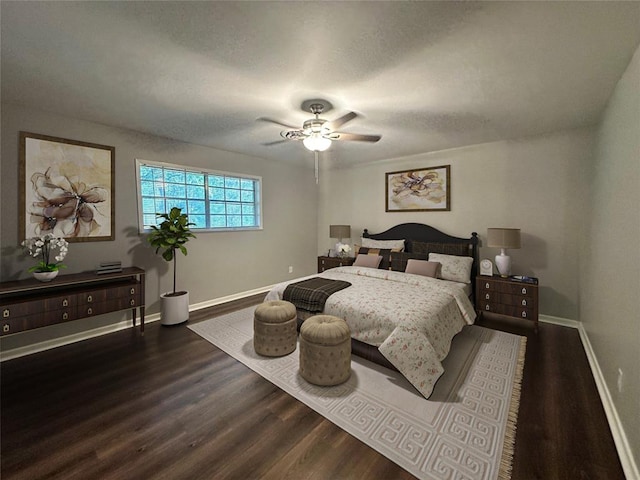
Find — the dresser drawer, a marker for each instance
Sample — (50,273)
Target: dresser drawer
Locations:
(91,297)
(22,308)
(60,302)
(54,316)
(27,307)
(126,291)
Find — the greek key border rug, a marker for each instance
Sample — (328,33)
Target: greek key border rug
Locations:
(465,430)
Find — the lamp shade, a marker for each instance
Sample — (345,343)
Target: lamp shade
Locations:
(503,237)
(340,231)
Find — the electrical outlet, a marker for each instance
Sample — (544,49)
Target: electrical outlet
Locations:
(620,377)
(290,269)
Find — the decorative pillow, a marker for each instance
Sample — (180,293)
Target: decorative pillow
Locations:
(371,261)
(461,249)
(454,267)
(385,253)
(423,267)
(395,245)
(399,260)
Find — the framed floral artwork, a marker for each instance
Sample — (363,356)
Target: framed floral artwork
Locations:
(67,188)
(419,190)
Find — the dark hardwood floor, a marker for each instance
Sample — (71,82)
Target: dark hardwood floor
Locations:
(169,405)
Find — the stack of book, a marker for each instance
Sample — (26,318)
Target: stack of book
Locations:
(109,267)
(520,278)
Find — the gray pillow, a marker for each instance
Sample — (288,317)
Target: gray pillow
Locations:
(371,261)
(423,267)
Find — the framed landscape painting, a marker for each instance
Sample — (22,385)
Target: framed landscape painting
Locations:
(67,188)
(420,190)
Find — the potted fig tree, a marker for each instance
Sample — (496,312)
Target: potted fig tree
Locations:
(171,237)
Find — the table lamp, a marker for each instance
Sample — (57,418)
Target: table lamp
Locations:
(339,232)
(503,238)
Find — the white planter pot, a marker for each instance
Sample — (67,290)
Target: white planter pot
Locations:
(45,276)
(174,309)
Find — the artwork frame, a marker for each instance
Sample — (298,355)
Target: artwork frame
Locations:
(419,190)
(67,188)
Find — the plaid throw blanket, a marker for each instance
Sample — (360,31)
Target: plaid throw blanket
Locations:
(311,294)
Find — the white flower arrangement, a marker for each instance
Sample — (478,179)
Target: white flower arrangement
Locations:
(342,249)
(42,247)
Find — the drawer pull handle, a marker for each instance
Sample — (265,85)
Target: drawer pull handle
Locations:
(65,303)
(65,316)
(5,313)
(89,298)
(6,328)
(486,296)
(524,303)
(132,302)
(486,285)
(133,291)
(524,291)
(486,307)
(524,314)
(89,311)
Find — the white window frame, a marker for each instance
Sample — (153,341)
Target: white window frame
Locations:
(197,170)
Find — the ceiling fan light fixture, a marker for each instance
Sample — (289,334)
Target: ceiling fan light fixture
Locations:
(316,142)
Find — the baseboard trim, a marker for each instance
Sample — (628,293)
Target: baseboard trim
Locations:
(563,322)
(69,339)
(625,453)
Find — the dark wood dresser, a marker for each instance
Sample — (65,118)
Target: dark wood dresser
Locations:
(28,304)
(508,297)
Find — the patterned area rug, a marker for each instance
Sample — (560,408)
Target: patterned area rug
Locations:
(465,430)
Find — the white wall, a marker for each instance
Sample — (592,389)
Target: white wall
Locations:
(218,263)
(536,184)
(610,273)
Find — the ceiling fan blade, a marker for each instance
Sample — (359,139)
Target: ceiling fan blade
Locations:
(338,122)
(277,122)
(354,137)
(269,144)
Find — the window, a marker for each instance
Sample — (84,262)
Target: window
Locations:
(213,200)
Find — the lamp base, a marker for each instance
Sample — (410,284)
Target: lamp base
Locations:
(503,263)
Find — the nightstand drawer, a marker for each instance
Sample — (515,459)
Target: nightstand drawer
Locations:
(506,299)
(509,310)
(491,285)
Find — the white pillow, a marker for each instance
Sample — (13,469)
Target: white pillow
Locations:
(454,267)
(397,245)
(423,267)
(371,261)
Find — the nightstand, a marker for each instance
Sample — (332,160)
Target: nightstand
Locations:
(325,263)
(508,297)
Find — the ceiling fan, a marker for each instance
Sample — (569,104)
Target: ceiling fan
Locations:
(317,133)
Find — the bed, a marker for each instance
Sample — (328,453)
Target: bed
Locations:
(400,320)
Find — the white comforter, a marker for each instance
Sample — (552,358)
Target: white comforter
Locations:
(412,319)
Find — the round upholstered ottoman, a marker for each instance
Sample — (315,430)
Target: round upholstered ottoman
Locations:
(275,328)
(325,350)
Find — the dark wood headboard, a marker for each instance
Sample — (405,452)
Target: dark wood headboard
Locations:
(420,232)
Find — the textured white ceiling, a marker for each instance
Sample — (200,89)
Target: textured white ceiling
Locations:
(426,76)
